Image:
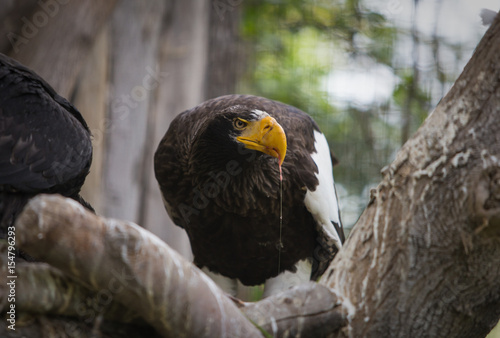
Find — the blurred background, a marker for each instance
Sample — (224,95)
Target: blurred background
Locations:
(368,71)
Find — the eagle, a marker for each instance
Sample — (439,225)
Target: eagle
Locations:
(250,180)
(45,144)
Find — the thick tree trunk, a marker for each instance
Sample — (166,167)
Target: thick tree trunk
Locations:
(94,84)
(47,41)
(423,258)
(182,58)
(134,77)
(224,58)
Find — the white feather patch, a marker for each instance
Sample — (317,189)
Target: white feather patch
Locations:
(322,203)
(287,279)
(228,285)
(259,114)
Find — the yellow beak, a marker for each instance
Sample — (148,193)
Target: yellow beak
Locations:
(266,136)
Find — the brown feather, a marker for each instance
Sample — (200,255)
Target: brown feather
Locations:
(227,198)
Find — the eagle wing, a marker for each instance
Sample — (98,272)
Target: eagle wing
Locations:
(45,144)
(313,163)
(323,204)
(307,170)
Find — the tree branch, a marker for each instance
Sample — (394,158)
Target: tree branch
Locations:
(43,289)
(120,262)
(130,265)
(309,310)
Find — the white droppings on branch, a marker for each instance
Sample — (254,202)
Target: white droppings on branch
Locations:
(178,266)
(428,233)
(441,136)
(488,159)
(364,286)
(375,236)
(465,192)
(472,133)
(389,170)
(41,220)
(461,83)
(114,226)
(422,197)
(384,231)
(430,170)
(460,159)
(72,204)
(274,326)
(345,302)
(462,111)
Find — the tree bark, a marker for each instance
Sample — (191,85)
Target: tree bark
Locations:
(182,57)
(308,310)
(62,32)
(109,270)
(134,78)
(11,14)
(423,258)
(224,58)
(129,265)
(91,98)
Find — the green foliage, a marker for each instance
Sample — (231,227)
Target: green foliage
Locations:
(293,48)
(407,93)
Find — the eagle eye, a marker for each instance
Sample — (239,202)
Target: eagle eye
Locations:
(239,123)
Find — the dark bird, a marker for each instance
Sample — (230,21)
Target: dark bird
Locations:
(45,144)
(217,168)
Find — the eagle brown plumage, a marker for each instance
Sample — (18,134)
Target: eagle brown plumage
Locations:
(45,144)
(226,194)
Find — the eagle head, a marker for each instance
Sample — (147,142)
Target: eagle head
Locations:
(259,131)
(238,127)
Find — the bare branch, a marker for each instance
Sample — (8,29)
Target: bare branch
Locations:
(130,265)
(309,310)
(43,289)
(95,247)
